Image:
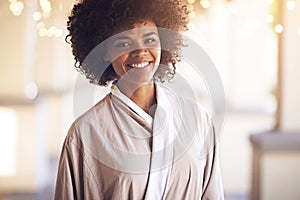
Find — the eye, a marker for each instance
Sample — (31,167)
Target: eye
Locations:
(150,40)
(123,44)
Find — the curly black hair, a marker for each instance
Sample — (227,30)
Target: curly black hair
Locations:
(93,21)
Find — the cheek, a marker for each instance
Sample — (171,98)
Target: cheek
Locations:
(156,54)
(118,65)
(158,57)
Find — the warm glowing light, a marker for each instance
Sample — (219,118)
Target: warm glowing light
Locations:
(61,6)
(270,2)
(36,16)
(40,25)
(58,33)
(17,13)
(192,15)
(204,3)
(50,33)
(191,1)
(46,14)
(46,5)
(290,4)
(52,29)
(8,141)
(16,8)
(269,18)
(190,7)
(42,31)
(278,28)
(298,31)
(31,90)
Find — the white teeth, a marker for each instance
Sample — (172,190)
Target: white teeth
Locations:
(140,65)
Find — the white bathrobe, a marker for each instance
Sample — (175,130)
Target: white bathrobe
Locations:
(117,151)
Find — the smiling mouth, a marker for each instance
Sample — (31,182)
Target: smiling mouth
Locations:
(139,65)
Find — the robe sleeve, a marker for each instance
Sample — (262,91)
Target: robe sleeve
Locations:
(213,188)
(67,183)
(74,177)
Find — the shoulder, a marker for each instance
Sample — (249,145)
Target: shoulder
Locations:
(90,121)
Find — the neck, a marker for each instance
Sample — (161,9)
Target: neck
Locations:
(142,94)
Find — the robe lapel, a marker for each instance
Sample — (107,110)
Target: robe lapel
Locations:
(162,147)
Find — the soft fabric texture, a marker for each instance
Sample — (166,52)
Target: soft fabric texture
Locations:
(116,151)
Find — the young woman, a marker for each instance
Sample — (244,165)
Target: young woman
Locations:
(141,141)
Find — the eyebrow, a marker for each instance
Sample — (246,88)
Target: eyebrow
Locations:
(120,38)
(126,37)
(150,33)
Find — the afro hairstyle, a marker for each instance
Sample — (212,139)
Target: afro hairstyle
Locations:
(91,22)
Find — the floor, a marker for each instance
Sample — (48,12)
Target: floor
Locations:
(47,195)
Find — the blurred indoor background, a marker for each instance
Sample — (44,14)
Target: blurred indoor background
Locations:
(255,45)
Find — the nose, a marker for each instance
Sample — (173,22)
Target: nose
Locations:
(140,49)
(139,52)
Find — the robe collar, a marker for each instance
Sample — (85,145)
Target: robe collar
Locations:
(127,101)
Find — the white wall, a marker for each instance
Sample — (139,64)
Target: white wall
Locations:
(280,170)
(280,176)
(42,124)
(236,150)
(291,70)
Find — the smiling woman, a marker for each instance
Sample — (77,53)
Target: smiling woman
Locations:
(136,52)
(135,57)
(141,141)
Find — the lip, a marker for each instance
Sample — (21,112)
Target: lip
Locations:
(139,65)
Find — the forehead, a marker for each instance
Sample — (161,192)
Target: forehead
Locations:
(138,28)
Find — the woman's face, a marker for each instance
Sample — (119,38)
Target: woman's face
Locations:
(135,54)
